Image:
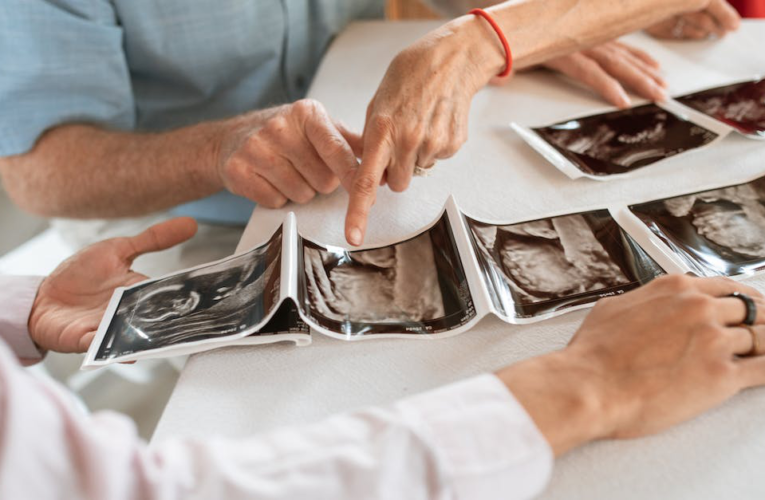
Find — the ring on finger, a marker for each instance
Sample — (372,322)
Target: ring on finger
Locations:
(755,342)
(423,171)
(751,307)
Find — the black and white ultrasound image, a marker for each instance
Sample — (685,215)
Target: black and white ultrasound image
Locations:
(622,141)
(716,233)
(214,301)
(549,265)
(741,105)
(414,287)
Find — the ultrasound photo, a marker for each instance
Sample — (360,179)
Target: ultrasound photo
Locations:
(741,105)
(221,299)
(548,265)
(716,233)
(622,141)
(414,287)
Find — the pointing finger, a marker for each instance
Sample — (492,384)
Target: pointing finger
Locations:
(364,188)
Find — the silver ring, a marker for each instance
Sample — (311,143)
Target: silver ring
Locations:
(422,171)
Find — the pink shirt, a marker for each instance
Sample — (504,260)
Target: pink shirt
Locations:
(471,440)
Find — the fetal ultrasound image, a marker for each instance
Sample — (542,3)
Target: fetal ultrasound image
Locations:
(622,141)
(716,233)
(213,301)
(414,287)
(741,105)
(553,264)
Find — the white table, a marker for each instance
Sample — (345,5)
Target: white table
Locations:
(239,391)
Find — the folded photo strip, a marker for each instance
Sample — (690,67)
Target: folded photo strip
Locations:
(614,144)
(437,283)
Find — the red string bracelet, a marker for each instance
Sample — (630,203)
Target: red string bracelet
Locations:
(502,38)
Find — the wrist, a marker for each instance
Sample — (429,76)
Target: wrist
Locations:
(484,48)
(564,396)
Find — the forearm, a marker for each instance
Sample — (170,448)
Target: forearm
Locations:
(453,8)
(468,440)
(542,30)
(83,171)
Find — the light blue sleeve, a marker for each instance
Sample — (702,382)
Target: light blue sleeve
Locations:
(61,61)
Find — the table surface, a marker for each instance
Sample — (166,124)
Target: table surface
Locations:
(241,391)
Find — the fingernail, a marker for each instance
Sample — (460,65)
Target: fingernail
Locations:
(354,236)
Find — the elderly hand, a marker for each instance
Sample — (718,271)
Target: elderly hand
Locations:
(645,361)
(288,153)
(418,115)
(72,300)
(609,68)
(717,19)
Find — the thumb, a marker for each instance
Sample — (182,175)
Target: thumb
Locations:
(161,236)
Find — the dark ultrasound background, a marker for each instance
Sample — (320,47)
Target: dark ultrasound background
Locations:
(217,300)
(553,264)
(621,141)
(716,233)
(741,105)
(417,286)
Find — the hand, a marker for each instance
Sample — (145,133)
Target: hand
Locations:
(717,19)
(72,300)
(420,112)
(288,153)
(608,68)
(643,362)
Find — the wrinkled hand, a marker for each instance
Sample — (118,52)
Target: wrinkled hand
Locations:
(72,300)
(419,114)
(288,153)
(609,68)
(648,360)
(718,19)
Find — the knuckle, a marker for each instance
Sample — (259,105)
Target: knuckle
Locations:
(274,201)
(381,124)
(676,282)
(698,305)
(305,107)
(326,185)
(720,368)
(305,196)
(365,185)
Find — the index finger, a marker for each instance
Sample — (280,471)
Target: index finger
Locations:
(161,237)
(364,189)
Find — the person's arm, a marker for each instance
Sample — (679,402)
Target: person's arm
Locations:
(419,114)
(272,156)
(469,441)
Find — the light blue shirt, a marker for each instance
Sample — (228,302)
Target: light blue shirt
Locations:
(153,65)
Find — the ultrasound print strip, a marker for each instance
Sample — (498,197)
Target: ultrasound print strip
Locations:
(740,105)
(549,265)
(720,232)
(219,300)
(413,287)
(622,141)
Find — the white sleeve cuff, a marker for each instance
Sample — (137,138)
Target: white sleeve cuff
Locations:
(488,444)
(17,295)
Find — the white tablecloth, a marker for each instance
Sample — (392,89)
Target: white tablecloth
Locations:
(240,391)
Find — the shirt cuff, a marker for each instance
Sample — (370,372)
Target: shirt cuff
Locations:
(489,445)
(17,295)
